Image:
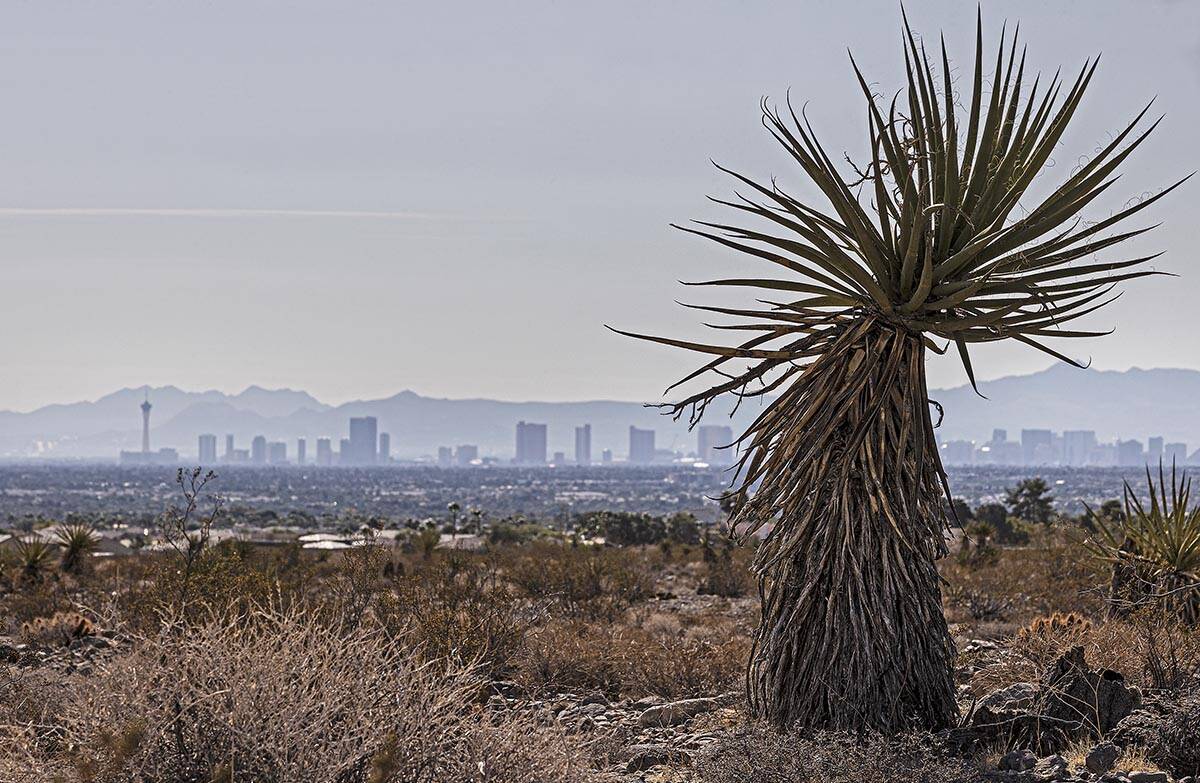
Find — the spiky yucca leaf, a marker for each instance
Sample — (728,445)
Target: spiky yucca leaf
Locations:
(936,242)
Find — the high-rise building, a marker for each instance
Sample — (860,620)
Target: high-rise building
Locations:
(301,451)
(999,436)
(146,424)
(385,447)
(709,440)
(345,452)
(641,446)
(1154,450)
(208,450)
(958,452)
(531,443)
(364,438)
(324,452)
(229,448)
(445,456)
(258,450)
(465,454)
(1036,447)
(1129,453)
(1078,446)
(277,453)
(559,458)
(1175,454)
(583,445)
(606,456)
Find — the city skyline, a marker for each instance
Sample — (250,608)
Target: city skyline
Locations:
(328,193)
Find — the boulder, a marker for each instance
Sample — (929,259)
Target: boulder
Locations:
(1102,758)
(676,712)
(1018,761)
(1149,777)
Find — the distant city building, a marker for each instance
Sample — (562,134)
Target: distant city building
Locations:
(240,455)
(641,446)
(1036,447)
(709,439)
(277,453)
(445,456)
(258,450)
(1078,446)
(161,457)
(208,450)
(1175,454)
(583,445)
(364,439)
(1129,453)
(229,448)
(999,436)
(1154,450)
(324,452)
(385,447)
(606,456)
(958,452)
(301,451)
(466,454)
(560,458)
(345,452)
(531,443)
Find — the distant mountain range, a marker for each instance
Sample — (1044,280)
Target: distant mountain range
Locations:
(1134,403)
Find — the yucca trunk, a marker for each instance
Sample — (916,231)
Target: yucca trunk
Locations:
(852,634)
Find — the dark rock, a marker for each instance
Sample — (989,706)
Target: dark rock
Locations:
(643,757)
(1018,761)
(1102,757)
(1071,702)
(1051,768)
(1149,777)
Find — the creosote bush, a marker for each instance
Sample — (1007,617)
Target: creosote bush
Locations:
(278,695)
(762,755)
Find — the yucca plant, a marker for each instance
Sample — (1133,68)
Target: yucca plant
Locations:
(1154,550)
(77,540)
(936,241)
(33,556)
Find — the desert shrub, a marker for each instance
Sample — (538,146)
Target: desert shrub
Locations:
(581,581)
(57,630)
(1150,649)
(1179,738)
(662,655)
(762,755)
(979,605)
(1052,574)
(726,569)
(280,696)
(228,576)
(456,608)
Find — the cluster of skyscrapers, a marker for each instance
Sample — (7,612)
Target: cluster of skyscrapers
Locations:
(365,446)
(531,448)
(1072,448)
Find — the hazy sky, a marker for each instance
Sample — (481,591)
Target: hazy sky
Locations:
(357,198)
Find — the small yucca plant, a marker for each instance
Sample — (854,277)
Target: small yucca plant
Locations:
(939,240)
(1154,550)
(34,556)
(77,540)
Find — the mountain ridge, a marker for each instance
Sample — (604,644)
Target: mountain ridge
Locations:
(1134,403)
